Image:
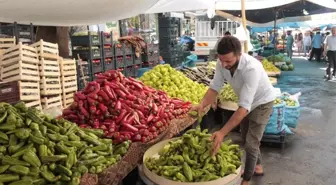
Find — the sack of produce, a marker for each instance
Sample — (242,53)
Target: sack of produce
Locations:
(276,124)
(188,159)
(292,111)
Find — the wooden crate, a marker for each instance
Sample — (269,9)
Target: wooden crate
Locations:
(50,85)
(46,50)
(35,104)
(7,42)
(51,101)
(67,98)
(19,63)
(49,68)
(69,84)
(68,67)
(29,90)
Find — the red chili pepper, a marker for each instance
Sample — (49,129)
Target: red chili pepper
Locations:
(126,107)
(103,108)
(136,137)
(118,105)
(156,119)
(121,116)
(123,88)
(72,116)
(83,111)
(112,85)
(144,139)
(107,90)
(130,119)
(126,117)
(67,112)
(103,127)
(130,97)
(135,106)
(141,126)
(130,127)
(140,114)
(177,101)
(93,109)
(152,129)
(155,109)
(80,96)
(120,93)
(93,95)
(137,85)
(103,95)
(150,118)
(127,102)
(92,101)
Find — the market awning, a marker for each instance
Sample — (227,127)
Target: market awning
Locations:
(286,9)
(87,12)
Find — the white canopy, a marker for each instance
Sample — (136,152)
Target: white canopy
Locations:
(86,12)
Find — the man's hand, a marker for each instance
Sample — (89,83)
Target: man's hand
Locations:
(198,108)
(217,139)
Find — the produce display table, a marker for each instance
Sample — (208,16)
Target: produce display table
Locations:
(273,80)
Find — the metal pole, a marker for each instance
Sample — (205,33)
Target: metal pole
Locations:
(244,24)
(275,18)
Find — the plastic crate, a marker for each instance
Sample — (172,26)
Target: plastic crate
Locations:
(86,68)
(87,54)
(171,61)
(129,60)
(107,38)
(122,70)
(86,40)
(151,57)
(172,54)
(96,67)
(118,50)
(168,32)
(148,64)
(94,76)
(165,22)
(128,49)
(137,60)
(120,62)
(109,63)
(108,52)
(168,42)
(151,48)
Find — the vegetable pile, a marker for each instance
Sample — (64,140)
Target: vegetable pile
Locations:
(269,67)
(289,102)
(201,74)
(36,149)
(188,159)
(278,101)
(227,94)
(175,83)
(124,108)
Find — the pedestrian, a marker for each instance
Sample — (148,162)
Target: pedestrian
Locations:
(299,43)
(256,98)
(330,52)
(289,44)
(306,43)
(316,47)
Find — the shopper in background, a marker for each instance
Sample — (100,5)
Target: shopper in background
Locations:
(227,34)
(299,43)
(289,44)
(316,47)
(250,82)
(306,43)
(330,52)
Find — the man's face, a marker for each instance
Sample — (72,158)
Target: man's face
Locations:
(229,60)
(333,31)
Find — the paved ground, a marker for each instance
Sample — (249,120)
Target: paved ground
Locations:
(310,156)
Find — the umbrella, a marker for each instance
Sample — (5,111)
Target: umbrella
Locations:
(327,27)
(263,29)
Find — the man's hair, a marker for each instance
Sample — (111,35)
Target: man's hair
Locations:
(229,44)
(227,33)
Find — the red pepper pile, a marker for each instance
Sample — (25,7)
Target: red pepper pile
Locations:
(124,108)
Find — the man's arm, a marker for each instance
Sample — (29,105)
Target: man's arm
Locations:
(325,45)
(251,80)
(215,86)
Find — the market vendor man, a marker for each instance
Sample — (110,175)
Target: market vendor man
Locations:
(250,82)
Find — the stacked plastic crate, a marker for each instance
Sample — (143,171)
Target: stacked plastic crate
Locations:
(20,64)
(108,51)
(151,55)
(50,83)
(168,44)
(68,80)
(89,48)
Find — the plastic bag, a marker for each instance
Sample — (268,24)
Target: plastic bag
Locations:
(292,113)
(276,123)
(53,112)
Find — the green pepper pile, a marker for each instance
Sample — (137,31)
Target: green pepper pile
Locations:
(188,159)
(37,149)
(227,94)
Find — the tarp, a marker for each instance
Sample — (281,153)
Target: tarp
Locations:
(89,12)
